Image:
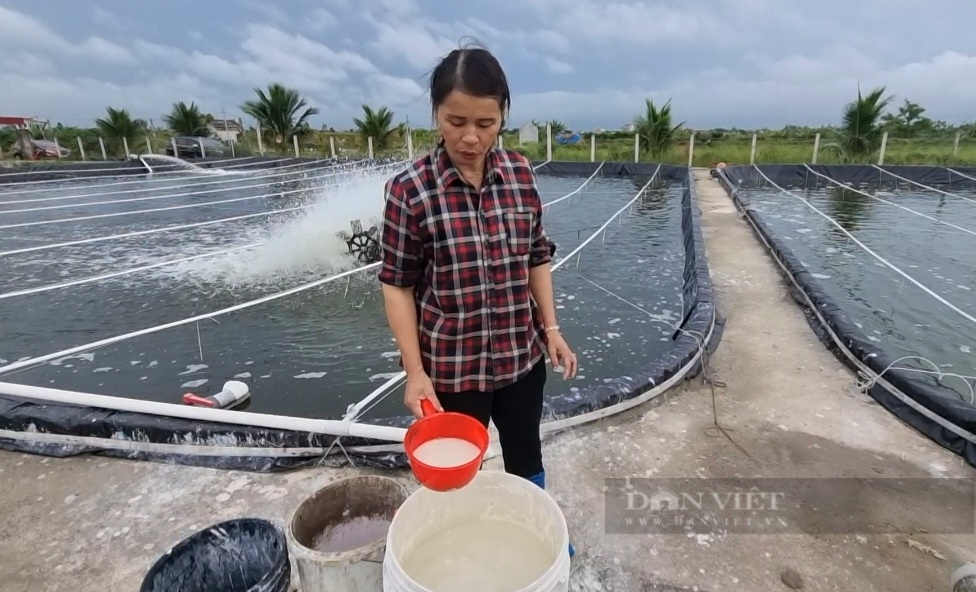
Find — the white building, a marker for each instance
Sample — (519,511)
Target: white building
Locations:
(226,130)
(528,133)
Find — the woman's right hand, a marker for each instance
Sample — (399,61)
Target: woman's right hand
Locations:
(419,387)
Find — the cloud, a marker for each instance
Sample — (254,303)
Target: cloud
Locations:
(782,91)
(320,19)
(640,23)
(590,63)
(558,67)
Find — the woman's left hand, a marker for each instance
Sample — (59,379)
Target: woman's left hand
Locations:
(560,355)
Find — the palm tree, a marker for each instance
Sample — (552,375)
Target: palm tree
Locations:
(187,120)
(281,112)
(861,128)
(654,127)
(118,124)
(377,125)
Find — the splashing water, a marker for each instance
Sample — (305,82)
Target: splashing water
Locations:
(305,245)
(171,162)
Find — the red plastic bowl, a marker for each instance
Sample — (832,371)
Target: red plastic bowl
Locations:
(446,424)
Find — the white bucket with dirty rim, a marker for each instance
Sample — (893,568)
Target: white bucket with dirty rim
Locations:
(357,511)
(500,533)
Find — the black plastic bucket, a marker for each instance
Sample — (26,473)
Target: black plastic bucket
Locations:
(244,555)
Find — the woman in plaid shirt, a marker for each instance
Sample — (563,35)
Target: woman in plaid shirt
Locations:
(466,268)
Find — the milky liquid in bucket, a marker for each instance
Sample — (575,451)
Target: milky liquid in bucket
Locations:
(446,452)
(484,555)
(353,533)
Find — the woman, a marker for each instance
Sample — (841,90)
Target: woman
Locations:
(466,268)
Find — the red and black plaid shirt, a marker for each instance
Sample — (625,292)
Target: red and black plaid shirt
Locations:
(467,255)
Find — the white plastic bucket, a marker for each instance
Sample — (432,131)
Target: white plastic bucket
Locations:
(492,495)
(356,569)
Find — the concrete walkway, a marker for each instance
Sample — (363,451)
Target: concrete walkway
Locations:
(94,524)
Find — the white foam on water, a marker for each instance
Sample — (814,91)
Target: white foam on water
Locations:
(195,383)
(383,376)
(311,375)
(191,368)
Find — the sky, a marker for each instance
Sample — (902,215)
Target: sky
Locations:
(588,63)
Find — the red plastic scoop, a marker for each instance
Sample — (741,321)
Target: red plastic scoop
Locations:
(451,438)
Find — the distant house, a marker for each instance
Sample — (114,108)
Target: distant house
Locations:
(226,130)
(628,127)
(528,133)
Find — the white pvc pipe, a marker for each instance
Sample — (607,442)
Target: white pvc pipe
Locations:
(280,422)
(577,190)
(891,203)
(170,325)
(963,175)
(98,239)
(155,230)
(899,177)
(169,195)
(122,272)
(147,211)
(607,223)
(887,263)
(157,177)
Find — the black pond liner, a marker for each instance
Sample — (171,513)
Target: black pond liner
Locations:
(65,430)
(243,555)
(949,422)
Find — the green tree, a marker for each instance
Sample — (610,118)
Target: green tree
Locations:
(116,125)
(377,125)
(910,121)
(655,128)
(186,120)
(861,129)
(282,113)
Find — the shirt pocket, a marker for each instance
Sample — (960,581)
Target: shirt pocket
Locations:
(518,228)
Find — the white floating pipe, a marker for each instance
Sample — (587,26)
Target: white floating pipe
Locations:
(172,195)
(178,323)
(891,203)
(154,230)
(963,175)
(131,270)
(887,263)
(98,239)
(147,211)
(280,422)
(577,190)
(159,174)
(899,177)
